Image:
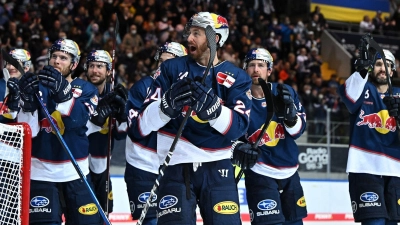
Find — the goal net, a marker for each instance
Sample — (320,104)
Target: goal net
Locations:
(15,163)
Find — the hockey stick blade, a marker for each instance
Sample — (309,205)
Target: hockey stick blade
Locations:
(212,45)
(372,44)
(270,113)
(12,61)
(6,75)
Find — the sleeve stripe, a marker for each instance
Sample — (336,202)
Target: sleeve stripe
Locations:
(65,108)
(296,129)
(224,122)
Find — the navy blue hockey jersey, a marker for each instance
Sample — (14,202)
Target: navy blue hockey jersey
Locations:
(279,155)
(201,141)
(374,144)
(98,140)
(49,161)
(141,153)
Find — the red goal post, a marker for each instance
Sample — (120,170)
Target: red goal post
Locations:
(15,168)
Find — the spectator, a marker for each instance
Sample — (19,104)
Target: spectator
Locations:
(366,26)
(378,22)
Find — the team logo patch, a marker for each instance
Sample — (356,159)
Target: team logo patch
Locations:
(369,197)
(301,202)
(267,204)
(251,215)
(89,209)
(94,100)
(354,206)
(132,206)
(225,79)
(76,92)
(248,94)
(39,201)
(145,195)
(168,201)
(226,207)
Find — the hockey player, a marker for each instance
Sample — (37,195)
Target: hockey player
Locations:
(56,187)
(273,189)
(9,159)
(141,154)
(99,67)
(200,172)
(374,159)
(9,113)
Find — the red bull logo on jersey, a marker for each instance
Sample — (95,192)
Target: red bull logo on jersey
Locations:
(275,131)
(226,207)
(89,209)
(380,121)
(46,125)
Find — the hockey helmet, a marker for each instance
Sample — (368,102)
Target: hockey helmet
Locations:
(67,46)
(217,22)
(174,48)
(258,53)
(22,56)
(99,56)
(389,56)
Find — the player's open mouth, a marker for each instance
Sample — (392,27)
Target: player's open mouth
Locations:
(192,48)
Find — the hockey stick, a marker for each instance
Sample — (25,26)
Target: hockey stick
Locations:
(110,119)
(212,45)
(270,113)
(15,63)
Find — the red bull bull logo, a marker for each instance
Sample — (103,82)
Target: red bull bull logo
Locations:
(380,121)
(46,125)
(219,21)
(272,135)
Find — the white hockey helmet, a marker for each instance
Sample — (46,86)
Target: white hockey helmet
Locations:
(258,53)
(23,56)
(174,48)
(389,56)
(217,22)
(67,46)
(98,56)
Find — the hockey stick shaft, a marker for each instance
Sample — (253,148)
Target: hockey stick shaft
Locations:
(72,159)
(110,120)
(212,45)
(270,114)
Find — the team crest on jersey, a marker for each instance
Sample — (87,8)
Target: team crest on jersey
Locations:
(248,94)
(76,92)
(225,79)
(94,100)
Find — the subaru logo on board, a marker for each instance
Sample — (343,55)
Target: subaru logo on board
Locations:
(167,202)
(369,197)
(145,195)
(39,201)
(267,204)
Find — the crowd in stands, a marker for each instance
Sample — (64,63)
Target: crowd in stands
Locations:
(293,42)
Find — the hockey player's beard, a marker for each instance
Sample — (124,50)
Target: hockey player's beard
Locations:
(199,53)
(378,81)
(98,82)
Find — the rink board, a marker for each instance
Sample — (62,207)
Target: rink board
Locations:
(326,200)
